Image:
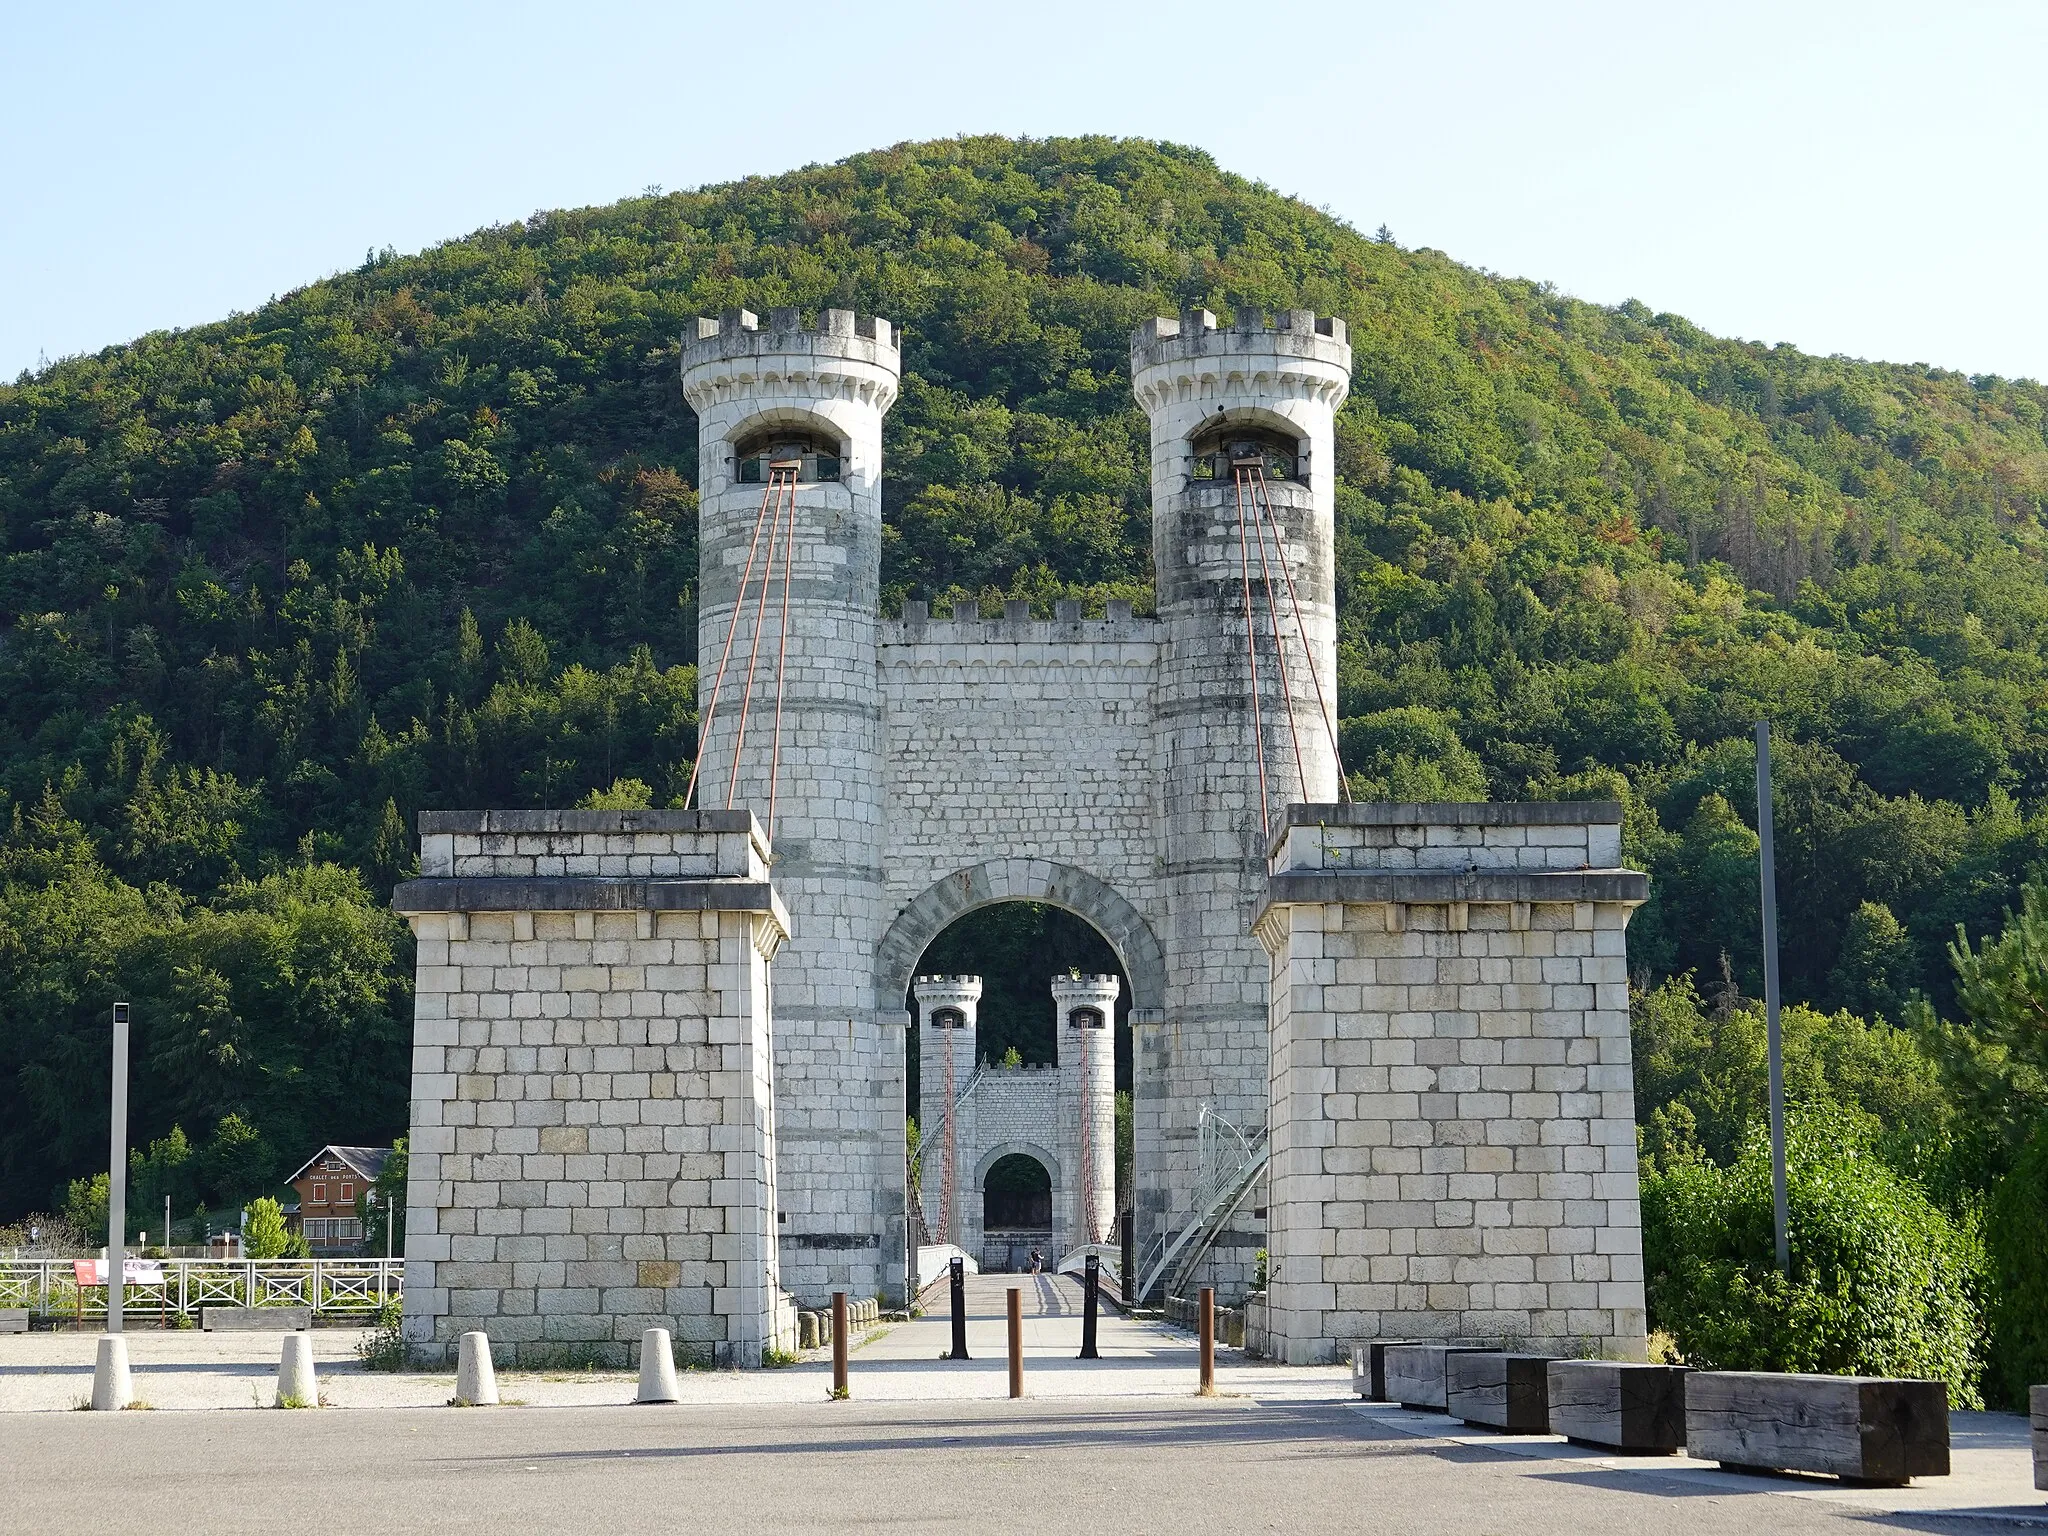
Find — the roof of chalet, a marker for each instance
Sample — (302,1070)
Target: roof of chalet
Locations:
(367,1161)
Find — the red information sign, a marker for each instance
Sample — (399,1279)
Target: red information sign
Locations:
(133,1271)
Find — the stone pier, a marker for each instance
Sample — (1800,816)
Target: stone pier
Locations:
(593,1096)
(1452,1114)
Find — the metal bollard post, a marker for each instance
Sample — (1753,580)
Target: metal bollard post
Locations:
(839,1344)
(1091,1282)
(959,1289)
(1208,1337)
(1016,1342)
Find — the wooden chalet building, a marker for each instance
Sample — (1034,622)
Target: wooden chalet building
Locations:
(328,1186)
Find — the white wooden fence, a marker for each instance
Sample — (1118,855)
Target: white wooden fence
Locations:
(331,1287)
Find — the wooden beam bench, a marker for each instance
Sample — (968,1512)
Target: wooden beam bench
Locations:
(1369,1368)
(1863,1428)
(255,1319)
(1618,1405)
(13,1319)
(1415,1373)
(1499,1390)
(2037,1405)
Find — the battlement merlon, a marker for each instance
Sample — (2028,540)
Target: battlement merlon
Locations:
(840,336)
(1296,353)
(961,992)
(1077,990)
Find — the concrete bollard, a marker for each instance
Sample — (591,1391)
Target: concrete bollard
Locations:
(476,1382)
(111,1386)
(297,1386)
(657,1367)
(807,1330)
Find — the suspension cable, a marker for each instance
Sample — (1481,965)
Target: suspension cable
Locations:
(782,656)
(948,1174)
(718,682)
(1308,650)
(776,473)
(1251,653)
(1257,476)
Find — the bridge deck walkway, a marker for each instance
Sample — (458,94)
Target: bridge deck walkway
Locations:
(1052,1327)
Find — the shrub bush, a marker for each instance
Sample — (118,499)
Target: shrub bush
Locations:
(1882,1282)
(2016,1233)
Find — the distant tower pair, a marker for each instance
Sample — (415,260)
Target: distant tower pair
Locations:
(1064,1118)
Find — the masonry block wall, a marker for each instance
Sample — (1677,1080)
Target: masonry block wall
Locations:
(1451,1108)
(593,1097)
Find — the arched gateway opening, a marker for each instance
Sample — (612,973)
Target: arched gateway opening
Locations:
(1020,1065)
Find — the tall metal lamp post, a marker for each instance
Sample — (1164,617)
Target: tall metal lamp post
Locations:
(117,1173)
(1780,1217)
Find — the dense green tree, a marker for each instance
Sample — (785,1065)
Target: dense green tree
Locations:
(424,534)
(1882,1282)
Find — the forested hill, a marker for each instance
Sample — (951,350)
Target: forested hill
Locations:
(421,534)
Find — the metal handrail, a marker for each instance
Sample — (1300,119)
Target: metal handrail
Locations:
(1173,1252)
(47,1287)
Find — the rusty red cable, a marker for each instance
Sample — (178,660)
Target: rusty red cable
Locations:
(782,656)
(1308,650)
(1258,483)
(718,682)
(1251,653)
(739,745)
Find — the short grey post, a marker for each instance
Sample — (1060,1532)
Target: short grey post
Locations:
(1780,1216)
(476,1379)
(657,1367)
(112,1386)
(297,1385)
(117,1173)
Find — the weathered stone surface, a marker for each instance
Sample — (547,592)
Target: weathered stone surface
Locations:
(1622,1405)
(1451,1103)
(593,1149)
(1499,1390)
(1868,1428)
(254,1319)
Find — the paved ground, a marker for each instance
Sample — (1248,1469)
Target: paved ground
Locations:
(1120,1443)
(1227,1465)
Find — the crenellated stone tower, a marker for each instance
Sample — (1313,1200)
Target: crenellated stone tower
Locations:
(1085,1007)
(1217,398)
(813,396)
(948,1009)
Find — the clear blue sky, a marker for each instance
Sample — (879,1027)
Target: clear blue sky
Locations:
(1860,178)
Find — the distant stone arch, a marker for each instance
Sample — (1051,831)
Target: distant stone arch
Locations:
(1029,1149)
(930,913)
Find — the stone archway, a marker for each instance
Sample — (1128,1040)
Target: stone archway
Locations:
(925,917)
